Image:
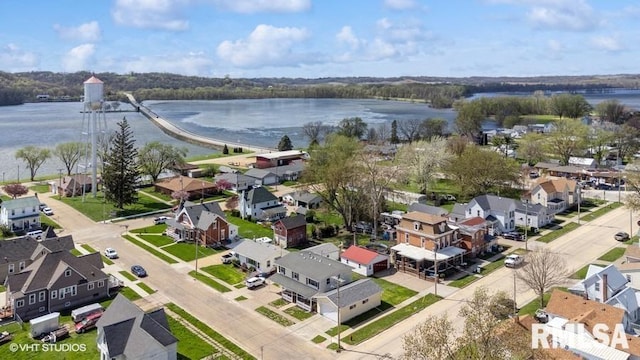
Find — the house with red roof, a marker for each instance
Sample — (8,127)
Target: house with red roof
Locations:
(474,235)
(364,261)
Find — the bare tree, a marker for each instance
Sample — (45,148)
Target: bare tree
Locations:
(384,132)
(544,269)
(410,129)
(424,160)
(433,339)
(314,131)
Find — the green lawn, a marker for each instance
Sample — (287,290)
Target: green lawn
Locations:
(187,252)
(190,345)
(40,188)
(227,273)
(209,281)
(210,332)
(582,272)
(156,240)
(106,260)
(248,229)
(75,252)
(278,303)
(298,313)
(48,221)
(463,281)
(595,214)
(533,305)
(274,316)
(146,288)
(318,339)
(151,191)
(151,250)
(88,248)
(554,234)
(130,294)
(491,267)
(153,229)
(376,327)
(128,275)
(240,298)
(97,209)
(392,293)
(613,254)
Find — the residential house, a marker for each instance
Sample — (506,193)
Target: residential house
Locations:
(259,204)
(532,215)
(426,242)
(600,284)
(195,188)
(303,198)
(127,332)
(556,194)
(57,281)
(290,231)
(260,256)
(428,209)
(566,312)
(204,222)
(18,253)
(279,158)
(630,268)
(21,214)
(289,172)
(262,177)
(328,250)
(587,163)
(474,236)
(303,275)
(352,300)
(73,185)
(499,211)
(458,213)
(364,261)
(184,169)
(239,182)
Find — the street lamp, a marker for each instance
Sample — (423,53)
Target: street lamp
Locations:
(526,225)
(579,201)
(338,282)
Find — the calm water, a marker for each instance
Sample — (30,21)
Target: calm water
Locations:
(259,122)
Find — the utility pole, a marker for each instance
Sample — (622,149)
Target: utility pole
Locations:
(515,306)
(579,201)
(435,270)
(338,281)
(526,225)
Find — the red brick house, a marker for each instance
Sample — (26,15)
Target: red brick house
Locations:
(474,236)
(290,231)
(205,223)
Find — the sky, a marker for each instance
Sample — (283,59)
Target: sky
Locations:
(322,38)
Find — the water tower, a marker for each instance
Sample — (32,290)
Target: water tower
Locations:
(94,126)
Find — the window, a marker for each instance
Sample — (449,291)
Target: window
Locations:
(54,294)
(61,295)
(328,281)
(421,242)
(416,226)
(477,212)
(365,301)
(352,307)
(42,296)
(295,276)
(628,278)
(469,211)
(282,270)
(538,196)
(20,303)
(11,268)
(74,291)
(101,283)
(597,285)
(32,299)
(406,237)
(90,286)
(312,283)
(67,273)
(41,309)
(13,212)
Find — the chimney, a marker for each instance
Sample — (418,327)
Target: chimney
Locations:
(605,284)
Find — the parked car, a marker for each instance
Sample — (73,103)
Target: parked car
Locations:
(47,211)
(513,235)
(138,271)
(42,206)
(621,236)
(513,260)
(111,253)
(227,258)
(254,282)
(88,323)
(449,197)
(160,220)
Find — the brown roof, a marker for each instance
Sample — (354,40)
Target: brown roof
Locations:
(473,221)
(629,266)
(423,217)
(588,312)
(561,183)
(548,187)
(633,251)
(184,182)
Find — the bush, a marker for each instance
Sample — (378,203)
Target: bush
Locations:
(225,150)
(310,216)
(235,213)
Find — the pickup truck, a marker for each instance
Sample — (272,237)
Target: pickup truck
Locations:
(513,260)
(227,258)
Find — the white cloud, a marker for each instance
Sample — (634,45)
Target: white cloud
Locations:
(14,59)
(266,45)
(347,36)
(193,64)
(574,15)
(77,59)
(555,45)
(85,32)
(157,14)
(400,4)
(255,6)
(606,43)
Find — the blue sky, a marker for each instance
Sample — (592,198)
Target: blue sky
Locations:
(323,38)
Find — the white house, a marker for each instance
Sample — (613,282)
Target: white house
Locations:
(262,177)
(556,194)
(259,204)
(532,215)
(600,284)
(258,255)
(21,214)
(500,212)
(353,299)
(328,250)
(363,261)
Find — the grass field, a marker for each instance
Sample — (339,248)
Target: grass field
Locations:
(392,293)
(547,238)
(151,250)
(613,254)
(582,272)
(226,273)
(248,229)
(127,275)
(190,345)
(97,209)
(156,240)
(187,252)
(209,281)
(274,316)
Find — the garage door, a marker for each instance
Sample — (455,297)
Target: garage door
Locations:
(379,266)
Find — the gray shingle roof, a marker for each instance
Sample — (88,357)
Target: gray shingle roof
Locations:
(259,251)
(258,173)
(312,265)
(428,209)
(17,249)
(21,203)
(130,332)
(293,285)
(353,292)
(259,195)
(323,249)
(293,222)
(531,209)
(496,203)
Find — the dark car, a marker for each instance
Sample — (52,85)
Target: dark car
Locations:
(138,271)
(160,220)
(513,236)
(621,236)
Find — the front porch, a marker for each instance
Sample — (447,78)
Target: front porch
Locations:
(296,292)
(425,263)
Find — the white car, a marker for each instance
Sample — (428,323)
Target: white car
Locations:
(513,260)
(160,220)
(111,253)
(255,282)
(47,211)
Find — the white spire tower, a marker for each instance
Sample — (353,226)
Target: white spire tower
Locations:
(94,126)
